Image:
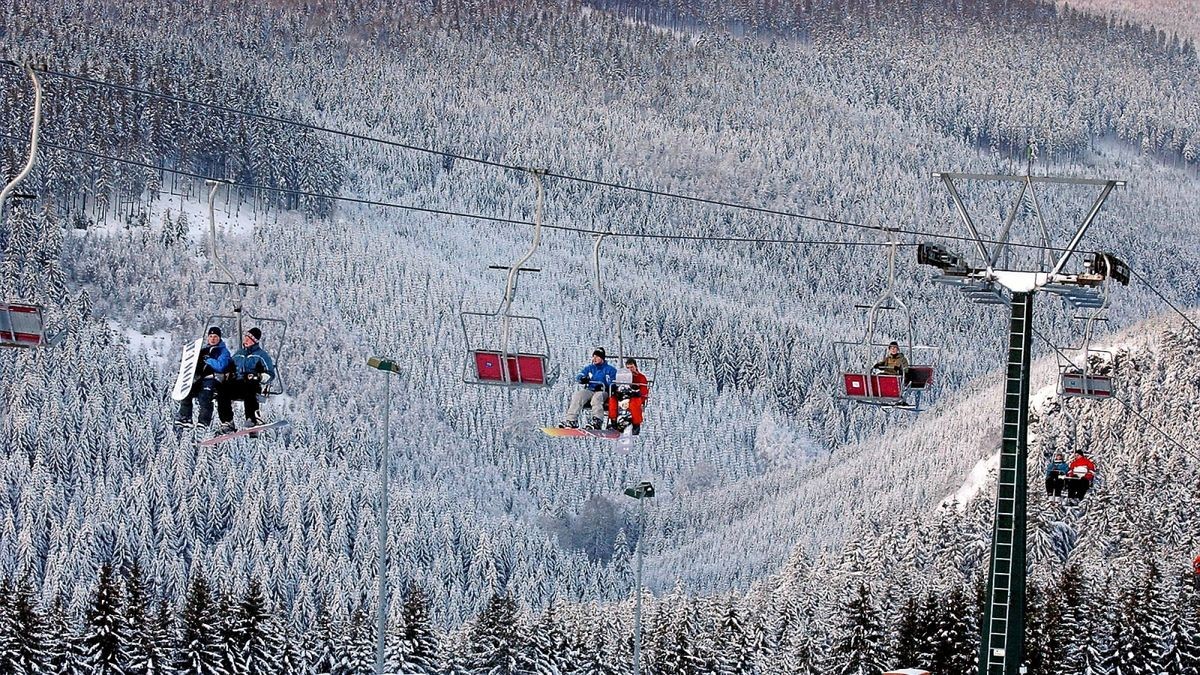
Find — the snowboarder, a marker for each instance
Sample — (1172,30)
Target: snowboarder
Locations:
(629,394)
(596,377)
(215,366)
(252,369)
(1079,476)
(894,361)
(1056,469)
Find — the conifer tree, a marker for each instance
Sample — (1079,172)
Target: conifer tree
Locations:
(32,639)
(106,637)
(198,647)
(415,648)
(257,640)
(494,647)
(859,646)
(954,640)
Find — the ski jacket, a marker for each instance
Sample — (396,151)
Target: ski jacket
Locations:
(1196,565)
(254,360)
(896,364)
(1059,468)
(597,377)
(216,359)
(1082,467)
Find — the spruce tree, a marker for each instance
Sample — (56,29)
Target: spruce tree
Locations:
(954,640)
(33,653)
(256,639)
(859,646)
(415,649)
(106,637)
(494,647)
(198,650)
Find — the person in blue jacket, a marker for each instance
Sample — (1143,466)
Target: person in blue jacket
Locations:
(215,365)
(253,368)
(1056,471)
(597,378)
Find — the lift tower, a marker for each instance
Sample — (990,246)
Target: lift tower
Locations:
(1007,273)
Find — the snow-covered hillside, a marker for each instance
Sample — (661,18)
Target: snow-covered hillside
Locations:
(844,118)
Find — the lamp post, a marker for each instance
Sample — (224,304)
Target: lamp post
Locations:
(641,492)
(388,367)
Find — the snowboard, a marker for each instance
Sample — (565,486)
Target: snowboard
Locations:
(187,369)
(609,434)
(278,424)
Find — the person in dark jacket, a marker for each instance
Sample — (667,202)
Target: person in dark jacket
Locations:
(253,368)
(215,364)
(1056,470)
(597,378)
(894,361)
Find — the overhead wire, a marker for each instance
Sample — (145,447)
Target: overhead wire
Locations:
(724,203)
(457,214)
(1128,406)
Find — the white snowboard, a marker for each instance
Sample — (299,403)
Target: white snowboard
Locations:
(187,369)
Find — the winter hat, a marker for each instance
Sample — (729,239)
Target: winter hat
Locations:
(214,330)
(893,343)
(1080,452)
(255,333)
(599,352)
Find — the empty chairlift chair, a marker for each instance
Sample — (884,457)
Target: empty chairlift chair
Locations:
(506,349)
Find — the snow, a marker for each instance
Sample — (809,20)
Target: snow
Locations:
(157,347)
(980,475)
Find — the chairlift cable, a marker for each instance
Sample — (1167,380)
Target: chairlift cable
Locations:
(1125,403)
(459,214)
(1164,298)
(725,203)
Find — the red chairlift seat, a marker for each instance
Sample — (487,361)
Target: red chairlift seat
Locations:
(522,369)
(21,325)
(1081,385)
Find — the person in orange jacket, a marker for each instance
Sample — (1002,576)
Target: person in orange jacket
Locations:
(631,394)
(1079,476)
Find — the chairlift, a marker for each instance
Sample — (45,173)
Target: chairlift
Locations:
(871,386)
(1091,378)
(238,319)
(624,387)
(506,349)
(22,324)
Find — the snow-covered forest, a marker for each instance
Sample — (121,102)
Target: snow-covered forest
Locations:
(792,532)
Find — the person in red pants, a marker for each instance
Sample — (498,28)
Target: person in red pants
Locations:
(630,390)
(1079,476)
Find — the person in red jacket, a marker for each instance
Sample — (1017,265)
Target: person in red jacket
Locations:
(631,394)
(1196,566)
(1079,476)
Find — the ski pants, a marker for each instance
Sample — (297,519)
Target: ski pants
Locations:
(1077,487)
(582,399)
(203,392)
(1054,485)
(243,390)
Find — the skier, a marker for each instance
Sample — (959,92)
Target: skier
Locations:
(629,393)
(1079,476)
(894,362)
(215,366)
(1196,567)
(1055,470)
(252,369)
(596,377)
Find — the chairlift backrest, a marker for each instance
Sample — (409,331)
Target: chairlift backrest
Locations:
(21,325)
(274,339)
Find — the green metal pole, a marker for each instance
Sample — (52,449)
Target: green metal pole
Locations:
(1002,646)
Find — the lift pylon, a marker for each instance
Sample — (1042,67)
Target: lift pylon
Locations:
(991,280)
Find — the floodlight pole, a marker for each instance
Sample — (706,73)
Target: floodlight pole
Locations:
(641,492)
(388,367)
